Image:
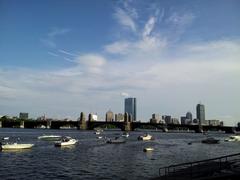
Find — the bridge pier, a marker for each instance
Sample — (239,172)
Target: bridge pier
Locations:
(230,130)
(82,122)
(165,129)
(49,123)
(127,126)
(21,124)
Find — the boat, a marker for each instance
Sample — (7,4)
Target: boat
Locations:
(50,137)
(66,141)
(116,140)
(125,134)
(99,137)
(16,146)
(5,138)
(145,137)
(147,149)
(97,132)
(210,141)
(233,138)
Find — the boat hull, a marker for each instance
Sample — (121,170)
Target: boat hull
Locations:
(16,146)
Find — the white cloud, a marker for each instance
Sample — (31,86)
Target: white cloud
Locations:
(121,47)
(124,94)
(57,31)
(181,19)
(149,26)
(125,19)
(53,54)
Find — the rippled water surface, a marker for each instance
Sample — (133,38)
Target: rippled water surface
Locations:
(92,158)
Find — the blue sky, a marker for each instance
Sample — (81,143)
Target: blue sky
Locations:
(62,57)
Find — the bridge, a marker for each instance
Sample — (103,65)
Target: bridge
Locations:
(82,124)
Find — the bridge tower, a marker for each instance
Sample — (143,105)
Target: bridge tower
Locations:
(21,124)
(125,117)
(90,117)
(0,124)
(49,123)
(82,122)
(127,122)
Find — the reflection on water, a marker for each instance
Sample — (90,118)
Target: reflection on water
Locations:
(16,150)
(92,158)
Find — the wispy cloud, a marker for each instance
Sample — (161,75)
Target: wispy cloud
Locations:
(125,19)
(149,26)
(57,31)
(50,38)
(53,54)
(67,53)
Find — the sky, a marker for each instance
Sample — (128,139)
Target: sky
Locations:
(60,58)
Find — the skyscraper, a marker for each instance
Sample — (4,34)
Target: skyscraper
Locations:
(131,107)
(200,113)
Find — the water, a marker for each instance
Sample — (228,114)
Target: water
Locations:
(92,158)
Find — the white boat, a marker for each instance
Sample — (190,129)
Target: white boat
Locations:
(50,137)
(125,134)
(148,149)
(5,138)
(233,138)
(116,140)
(97,132)
(145,137)
(16,146)
(66,141)
(99,137)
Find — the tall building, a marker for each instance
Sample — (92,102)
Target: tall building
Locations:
(200,113)
(168,119)
(130,107)
(109,116)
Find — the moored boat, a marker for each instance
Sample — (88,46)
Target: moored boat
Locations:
(210,141)
(50,137)
(233,138)
(125,134)
(16,146)
(5,138)
(117,140)
(66,141)
(145,137)
(147,149)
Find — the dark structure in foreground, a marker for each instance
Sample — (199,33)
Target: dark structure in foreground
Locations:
(224,167)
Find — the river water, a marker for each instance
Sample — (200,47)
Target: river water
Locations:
(92,158)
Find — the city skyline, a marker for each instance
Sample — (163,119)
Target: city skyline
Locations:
(87,56)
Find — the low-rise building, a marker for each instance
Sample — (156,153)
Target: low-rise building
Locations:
(109,116)
(119,117)
(23,115)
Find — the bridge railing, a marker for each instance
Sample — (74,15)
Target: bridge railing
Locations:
(198,168)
